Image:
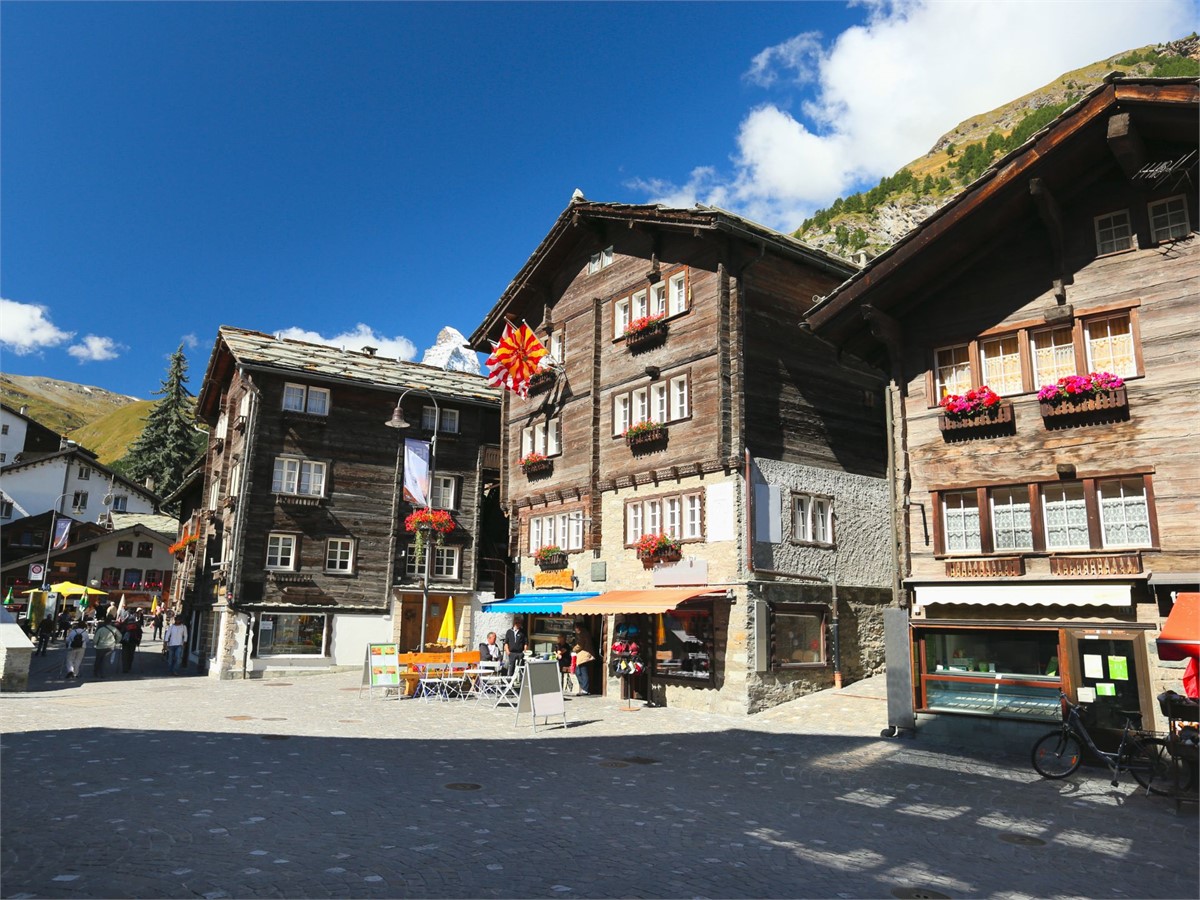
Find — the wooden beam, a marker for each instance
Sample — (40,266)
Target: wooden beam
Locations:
(1126,144)
(1051,215)
(889,333)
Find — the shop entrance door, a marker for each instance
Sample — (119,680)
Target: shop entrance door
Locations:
(1111,681)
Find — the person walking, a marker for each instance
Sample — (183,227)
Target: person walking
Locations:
(583,658)
(107,639)
(75,644)
(131,637)
(63,622)
(158,625)
(45,633)
(175,638)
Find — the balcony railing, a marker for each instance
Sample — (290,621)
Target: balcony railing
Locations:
(991,567)
(1097,566)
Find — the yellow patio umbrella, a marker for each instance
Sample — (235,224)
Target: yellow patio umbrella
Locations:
(447,634)
(70,588)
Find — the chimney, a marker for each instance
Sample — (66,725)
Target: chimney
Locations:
(24,410)
(150,482)
(370,351)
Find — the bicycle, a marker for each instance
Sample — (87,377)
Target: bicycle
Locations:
(1142,755)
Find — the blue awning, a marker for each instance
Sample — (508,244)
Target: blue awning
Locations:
(550,602)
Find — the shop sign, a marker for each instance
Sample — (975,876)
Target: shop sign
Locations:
(562,578)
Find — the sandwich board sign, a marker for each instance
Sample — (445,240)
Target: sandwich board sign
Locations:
(381,668)
(541,692)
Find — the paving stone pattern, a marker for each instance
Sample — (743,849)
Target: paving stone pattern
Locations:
(153,786)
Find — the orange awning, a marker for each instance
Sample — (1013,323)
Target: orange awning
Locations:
(1180,638)
(630,602)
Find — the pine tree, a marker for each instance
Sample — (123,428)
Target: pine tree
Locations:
(169,442)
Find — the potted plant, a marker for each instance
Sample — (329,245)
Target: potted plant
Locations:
(535,464)
(422,522)
(659,547)
(978,407)
(644,432)
(550,556)
(1082,394)
(645,330)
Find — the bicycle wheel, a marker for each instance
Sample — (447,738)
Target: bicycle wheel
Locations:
(1149,762)
(1057,755)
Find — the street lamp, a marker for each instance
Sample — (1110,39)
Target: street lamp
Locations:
(50,539)
(398,421)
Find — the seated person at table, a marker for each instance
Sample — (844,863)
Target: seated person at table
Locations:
(490,651)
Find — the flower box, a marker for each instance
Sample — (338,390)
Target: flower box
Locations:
(645,434)
(535,464)
(550,558)
(645,336)
(655,548)
(992,417)
(1083,404)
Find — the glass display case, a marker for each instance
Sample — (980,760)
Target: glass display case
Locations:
(683,644)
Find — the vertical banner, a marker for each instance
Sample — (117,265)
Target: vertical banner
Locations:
(416,472)
(62,534)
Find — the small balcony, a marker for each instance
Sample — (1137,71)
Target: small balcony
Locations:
(1096,566)
(989,567)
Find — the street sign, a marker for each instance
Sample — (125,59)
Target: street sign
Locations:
(36,572)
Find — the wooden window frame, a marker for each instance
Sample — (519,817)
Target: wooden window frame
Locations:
(352,562)
(297,492)
(830,520)
(662,500)
(1133,244)
(1187,218)
(1037,518)
(294,565)
(1024,332)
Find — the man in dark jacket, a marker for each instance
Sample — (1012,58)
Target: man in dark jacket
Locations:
(131,636)
(490,651)
(515,641)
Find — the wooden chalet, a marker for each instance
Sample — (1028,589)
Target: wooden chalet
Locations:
(1044,538)
(683,406)
(299,531)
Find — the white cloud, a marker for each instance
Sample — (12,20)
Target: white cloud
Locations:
(357,338)
(886,90)
(798,56)
(96,349)
(190,341)
(26,328)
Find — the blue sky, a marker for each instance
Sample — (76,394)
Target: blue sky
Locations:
(368,173)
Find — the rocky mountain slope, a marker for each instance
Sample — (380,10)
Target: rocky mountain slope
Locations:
(870,222)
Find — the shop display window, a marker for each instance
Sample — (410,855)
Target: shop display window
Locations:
(282,634)
(543,635)
(683,644)
(1014,673)
(798,636)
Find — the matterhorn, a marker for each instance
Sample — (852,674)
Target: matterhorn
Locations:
(451,352)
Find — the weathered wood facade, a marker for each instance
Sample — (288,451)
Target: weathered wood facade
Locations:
(727,376)
(1051,536)
(302,520)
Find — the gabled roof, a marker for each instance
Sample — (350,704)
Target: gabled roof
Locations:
(164,526)
(699,218)
(85,456)
(133,531)
(320,363)
(1166,109)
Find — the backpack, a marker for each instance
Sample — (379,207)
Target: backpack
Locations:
(77,641)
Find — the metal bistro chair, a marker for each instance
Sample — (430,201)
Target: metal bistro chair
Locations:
(433,683)
(485,675)
(508,688)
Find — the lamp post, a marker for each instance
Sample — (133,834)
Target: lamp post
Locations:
(398,421)
(50,539)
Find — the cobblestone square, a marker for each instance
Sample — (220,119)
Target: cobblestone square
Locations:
(149,786)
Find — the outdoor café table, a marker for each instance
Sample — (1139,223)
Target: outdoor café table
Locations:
(442,680)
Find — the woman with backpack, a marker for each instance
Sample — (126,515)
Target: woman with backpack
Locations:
(131,636)
(75,643)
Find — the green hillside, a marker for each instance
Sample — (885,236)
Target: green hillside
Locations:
(111,435)
(61,405)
